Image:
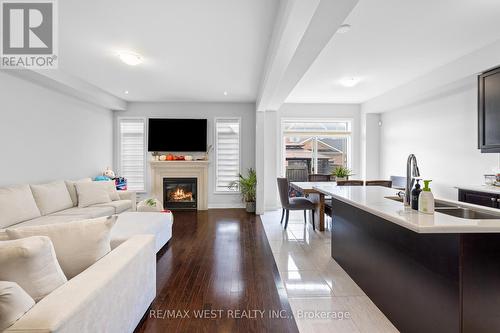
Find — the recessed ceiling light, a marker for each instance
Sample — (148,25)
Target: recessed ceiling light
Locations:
(344,28)
(126,92)
(130,58)
(349,81)
(225,93)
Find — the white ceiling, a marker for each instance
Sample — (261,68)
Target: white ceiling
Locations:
(394,41)
(194,50)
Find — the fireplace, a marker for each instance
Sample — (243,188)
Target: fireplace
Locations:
(180,193)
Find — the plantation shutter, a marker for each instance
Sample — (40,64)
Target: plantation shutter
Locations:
(227,153)
(132,150)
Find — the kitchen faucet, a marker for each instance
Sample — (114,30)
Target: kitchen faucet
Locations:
(411,172)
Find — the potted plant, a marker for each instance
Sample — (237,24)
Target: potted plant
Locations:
(341,173)
(247,186)
(149,205)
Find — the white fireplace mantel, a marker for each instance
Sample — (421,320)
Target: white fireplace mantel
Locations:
(186,169)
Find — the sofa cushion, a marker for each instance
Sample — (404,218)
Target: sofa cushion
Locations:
(51,197)
(91,193)
(49,219)
(14,303)
(31,263)
(119,206)
(90,212)
(16,205)
(70,185)
(78,244)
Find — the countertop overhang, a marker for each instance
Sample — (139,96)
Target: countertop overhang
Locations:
(373,199)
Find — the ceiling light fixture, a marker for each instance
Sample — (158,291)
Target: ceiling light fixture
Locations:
(126,92)
(344,28)
(349,81)
(130,58)
(225,93)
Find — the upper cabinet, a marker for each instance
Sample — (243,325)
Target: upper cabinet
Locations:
(489,111)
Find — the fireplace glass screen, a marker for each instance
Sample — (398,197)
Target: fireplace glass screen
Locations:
(179,193)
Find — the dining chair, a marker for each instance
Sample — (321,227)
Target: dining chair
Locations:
(289,204)
(384,183)
(350,183)
(317,177)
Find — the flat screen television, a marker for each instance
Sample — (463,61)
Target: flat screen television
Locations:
(177,135)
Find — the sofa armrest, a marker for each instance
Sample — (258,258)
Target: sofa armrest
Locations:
(129,195)
(110,296)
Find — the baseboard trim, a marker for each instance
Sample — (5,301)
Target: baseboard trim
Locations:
(226,205)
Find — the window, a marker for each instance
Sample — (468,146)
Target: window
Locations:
(227,154)
(132,152)
(313,146)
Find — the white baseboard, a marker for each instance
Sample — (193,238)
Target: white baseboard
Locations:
(226,205)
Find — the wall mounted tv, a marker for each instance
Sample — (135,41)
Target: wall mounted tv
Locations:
(177,135)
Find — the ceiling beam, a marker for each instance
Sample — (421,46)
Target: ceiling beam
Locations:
(303,29)
(70,85)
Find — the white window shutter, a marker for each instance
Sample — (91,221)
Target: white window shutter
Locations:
(227,153)
(132,152)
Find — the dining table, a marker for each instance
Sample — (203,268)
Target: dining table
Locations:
(317,197)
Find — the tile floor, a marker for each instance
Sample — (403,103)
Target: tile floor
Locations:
(322,296)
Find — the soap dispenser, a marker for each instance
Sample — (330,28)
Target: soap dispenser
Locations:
(426,199)
(415,193)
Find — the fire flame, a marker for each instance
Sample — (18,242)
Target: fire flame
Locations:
(180,195)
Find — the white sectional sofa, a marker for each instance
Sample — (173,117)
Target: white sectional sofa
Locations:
(110,296)
(113,294)
(20,207)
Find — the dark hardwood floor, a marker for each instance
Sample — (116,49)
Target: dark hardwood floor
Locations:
(218,260)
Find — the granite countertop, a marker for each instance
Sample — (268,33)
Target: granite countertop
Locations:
(373,200)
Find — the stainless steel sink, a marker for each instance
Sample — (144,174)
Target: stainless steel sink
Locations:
(467,213)
(436,203)
(457,211)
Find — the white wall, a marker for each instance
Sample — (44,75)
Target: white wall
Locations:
(370,146)
(45,135)
(271,159)
(442,133)
(210,111)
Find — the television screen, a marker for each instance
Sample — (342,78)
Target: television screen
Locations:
(177,135)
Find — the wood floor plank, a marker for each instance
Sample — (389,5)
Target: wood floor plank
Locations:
(219,260)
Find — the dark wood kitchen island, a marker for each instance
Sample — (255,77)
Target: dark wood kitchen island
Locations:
(426,273)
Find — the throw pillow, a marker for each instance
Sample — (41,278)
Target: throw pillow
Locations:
(111,188)
(70,184)
(78,245)
(91,193)
(14,303)
(52,197)
(17,205)
(31,263)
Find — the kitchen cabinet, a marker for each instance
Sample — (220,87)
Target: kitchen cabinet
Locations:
(479,198)
(489,111)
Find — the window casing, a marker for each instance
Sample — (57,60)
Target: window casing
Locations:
(227,153)
(132,152)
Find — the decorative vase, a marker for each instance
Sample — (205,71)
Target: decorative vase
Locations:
(250,207)
(340,178)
